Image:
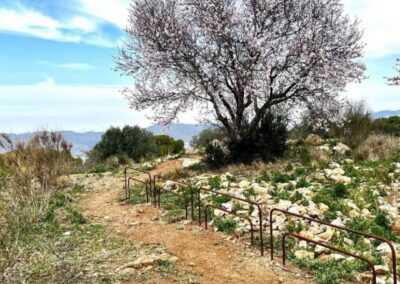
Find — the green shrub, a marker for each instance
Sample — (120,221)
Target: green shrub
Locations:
(388,125)
(215,155)
(205,137)
(340,191)
(226,225)
(266,143)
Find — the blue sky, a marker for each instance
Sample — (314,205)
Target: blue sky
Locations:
(56,60)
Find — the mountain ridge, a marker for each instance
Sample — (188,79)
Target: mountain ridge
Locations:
(85,141)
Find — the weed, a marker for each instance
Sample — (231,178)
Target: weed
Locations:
(226,225)
(302,183)
(215,182)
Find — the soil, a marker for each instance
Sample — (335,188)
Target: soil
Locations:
(203,256)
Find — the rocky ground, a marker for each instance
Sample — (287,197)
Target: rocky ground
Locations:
(359,195)
(326,184)
(196,255)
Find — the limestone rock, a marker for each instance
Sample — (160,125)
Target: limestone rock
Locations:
(341,149)
(304,254)
(314,140)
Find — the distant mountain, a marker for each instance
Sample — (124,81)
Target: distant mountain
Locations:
(81,141)
(85,141)
(385,113)
(181,131)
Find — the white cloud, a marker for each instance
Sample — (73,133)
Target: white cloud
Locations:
(76,66)
(48,104)
(112,11)
(59,107)
(377,94)
(30,22)
(381,21)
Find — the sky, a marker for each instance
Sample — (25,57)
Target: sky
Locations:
(57,69)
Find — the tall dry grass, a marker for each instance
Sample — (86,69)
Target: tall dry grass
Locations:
(28,179)
(378,147)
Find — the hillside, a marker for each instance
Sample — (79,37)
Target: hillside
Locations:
(385,113)
(85,141)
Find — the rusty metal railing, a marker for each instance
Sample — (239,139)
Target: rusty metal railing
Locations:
(230,213)
(286,212)
(145,183)
(319,243)
(211,191)
(135,170)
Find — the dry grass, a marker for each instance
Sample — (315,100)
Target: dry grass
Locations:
(378,147)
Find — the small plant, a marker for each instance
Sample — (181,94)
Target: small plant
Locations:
(281,178)
(302,183)
(75,217)
(215,182)
(226,225)
(340,190)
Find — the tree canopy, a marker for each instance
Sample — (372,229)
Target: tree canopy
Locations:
(238,60)
(135,143)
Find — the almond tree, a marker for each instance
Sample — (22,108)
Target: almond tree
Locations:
(238,59)
(396,80)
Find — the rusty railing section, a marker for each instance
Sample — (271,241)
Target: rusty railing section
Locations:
(211,191)
(208,206)
(319,243)
(369,236)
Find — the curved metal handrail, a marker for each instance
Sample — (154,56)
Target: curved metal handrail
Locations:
(297,236)
(254,203)
(128,192)
(286,212)
(231,213)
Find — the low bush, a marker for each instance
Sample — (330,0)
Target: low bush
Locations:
(216,154)
(388,125)
(378,147)
(205,137)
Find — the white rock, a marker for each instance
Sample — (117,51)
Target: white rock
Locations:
(244,184)
(341,149)
(338,222)
(304,254)
(323,207)
(169,185)
(284,204)
(327,235)
(228,206)
(384,249)
(337,256)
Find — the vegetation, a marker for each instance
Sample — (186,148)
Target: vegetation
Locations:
(183,53)
(168,145)
(132,142)
(120,146)
(205,137)
(388,125)
(356,125)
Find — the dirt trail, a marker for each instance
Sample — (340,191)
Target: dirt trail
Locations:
(208,255)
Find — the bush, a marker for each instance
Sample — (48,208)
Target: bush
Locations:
(267,143)
(356,125)
(205,137)
(216,154)
(168,145)
(134,142)
(388,125)
(378,147)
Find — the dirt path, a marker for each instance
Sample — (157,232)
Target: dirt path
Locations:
(208,255)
